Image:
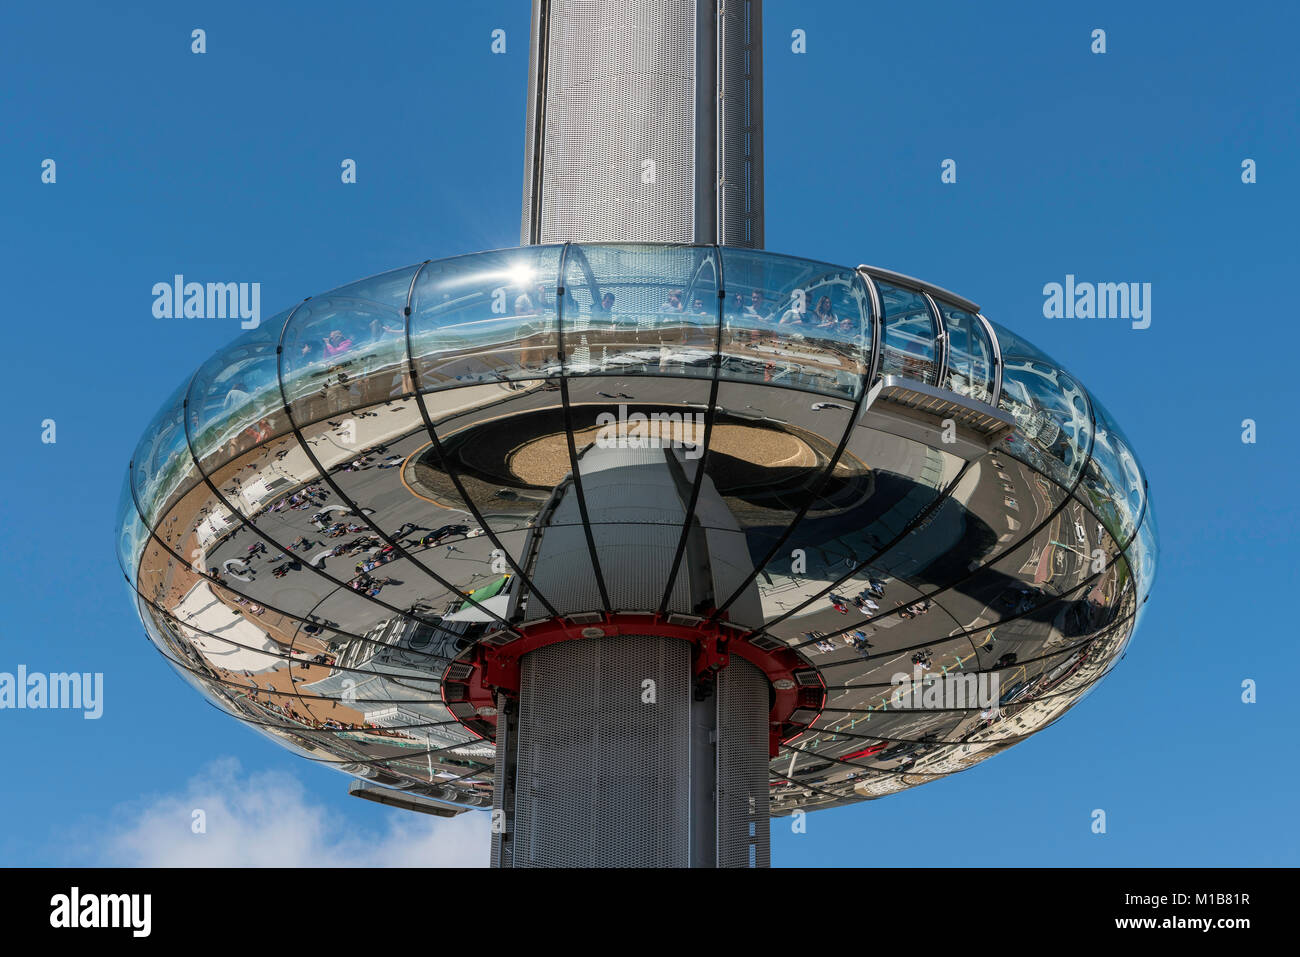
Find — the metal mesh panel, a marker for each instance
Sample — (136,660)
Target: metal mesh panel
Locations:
(602,777)
(499,784)
(620,93)
(563,571)
(636,514)
(535,83)
(619,90)
(636,574)
(741,190)
(743,832)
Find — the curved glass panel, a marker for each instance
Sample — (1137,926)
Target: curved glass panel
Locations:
(347,348)
(882,490)
(1142,554)
(163,634)
(1113,482)
(1011,344)
(794,322)
(640,310)
(234,400)
(131,533)
(970,354)
(387,290)
(487,318)
(1053,422)
(908,345)
(162,467)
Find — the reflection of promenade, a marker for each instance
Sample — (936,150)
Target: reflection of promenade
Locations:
(598,346)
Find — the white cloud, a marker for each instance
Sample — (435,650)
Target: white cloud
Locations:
(268,819)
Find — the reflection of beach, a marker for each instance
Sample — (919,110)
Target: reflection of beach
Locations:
(200,609)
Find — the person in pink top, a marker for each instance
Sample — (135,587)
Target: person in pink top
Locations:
(336,343)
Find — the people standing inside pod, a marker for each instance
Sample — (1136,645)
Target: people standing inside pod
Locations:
(824,315)
(797,314)
(605,310)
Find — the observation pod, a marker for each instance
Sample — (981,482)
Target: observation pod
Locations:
(638,543)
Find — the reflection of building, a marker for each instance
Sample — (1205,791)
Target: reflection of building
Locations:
(1036,426)
(627,651)
(397,662)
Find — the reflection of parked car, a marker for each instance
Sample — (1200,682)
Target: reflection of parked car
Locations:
(900,750)
(866,752)
(447,531)
(740,366)
(1064,669)
(814,768)
(1016,599)
(1018,690)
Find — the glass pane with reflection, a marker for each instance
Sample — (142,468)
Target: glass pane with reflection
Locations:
(908,345)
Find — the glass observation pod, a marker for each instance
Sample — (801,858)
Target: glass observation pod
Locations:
(839,464)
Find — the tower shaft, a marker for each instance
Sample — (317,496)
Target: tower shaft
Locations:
(644,125)
(616,754)
(645,122)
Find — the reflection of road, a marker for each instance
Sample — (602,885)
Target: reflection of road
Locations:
(1050,558)
(232,568)
(390,506)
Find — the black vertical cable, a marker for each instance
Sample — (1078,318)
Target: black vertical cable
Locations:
(709,415)
(1066,499)
(344,497)
(916,520)
(446,461)
(1070,495)
(568,431)
(815,494)
(246,523)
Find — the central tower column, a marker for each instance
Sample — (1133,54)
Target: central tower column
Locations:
(635,739)
(617,755)
(640,750)
(645,122)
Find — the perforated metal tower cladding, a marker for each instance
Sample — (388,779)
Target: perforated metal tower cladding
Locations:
(744,835)
(644,122)
(602,776)
(644,125)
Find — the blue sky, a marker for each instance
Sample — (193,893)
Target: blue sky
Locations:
(1124,166)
